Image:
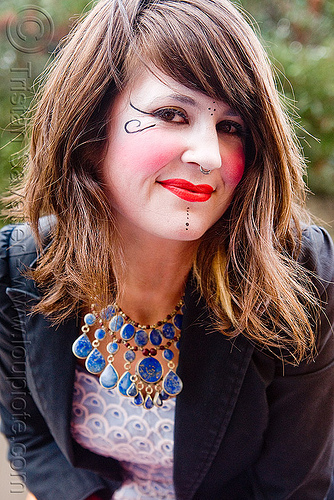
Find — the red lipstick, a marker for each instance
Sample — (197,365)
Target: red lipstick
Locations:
(188,191)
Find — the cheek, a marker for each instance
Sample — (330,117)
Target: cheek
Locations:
(233,166)
(146,152)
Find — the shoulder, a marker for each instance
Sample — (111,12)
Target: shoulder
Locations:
(18,248)
(317,253)
(317,256)
(5,236)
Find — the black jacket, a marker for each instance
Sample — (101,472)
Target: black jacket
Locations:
(246,426)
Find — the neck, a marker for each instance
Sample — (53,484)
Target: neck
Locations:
(154,276)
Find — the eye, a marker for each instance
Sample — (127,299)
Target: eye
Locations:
(173,115)
(231,127)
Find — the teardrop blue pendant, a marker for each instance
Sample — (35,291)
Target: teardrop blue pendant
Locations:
(172,384)
(132,391)
(109,377)
(95,362)
(138,400)
(82,346)
(148,403)
(124,383)
(157,400)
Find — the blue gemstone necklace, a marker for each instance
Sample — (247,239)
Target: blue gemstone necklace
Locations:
(147,383)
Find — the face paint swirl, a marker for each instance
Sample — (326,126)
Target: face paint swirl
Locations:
(134,126)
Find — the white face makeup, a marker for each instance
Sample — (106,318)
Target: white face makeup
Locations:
(160,133)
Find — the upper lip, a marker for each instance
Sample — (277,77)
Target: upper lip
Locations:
(189,186)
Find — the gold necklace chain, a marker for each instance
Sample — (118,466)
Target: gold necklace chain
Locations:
(170,316)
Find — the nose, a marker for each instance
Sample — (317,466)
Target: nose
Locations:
(203,149)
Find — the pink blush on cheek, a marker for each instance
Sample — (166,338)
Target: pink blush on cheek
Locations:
(148,155)
(233,167)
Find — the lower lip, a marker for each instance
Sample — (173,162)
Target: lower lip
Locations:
(186,195)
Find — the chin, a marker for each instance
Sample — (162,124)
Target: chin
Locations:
(192,233)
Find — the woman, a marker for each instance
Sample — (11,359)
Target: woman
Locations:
(164,197)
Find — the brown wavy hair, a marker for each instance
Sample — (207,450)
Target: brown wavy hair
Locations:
(246,266)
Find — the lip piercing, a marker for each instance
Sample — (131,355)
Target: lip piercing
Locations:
(204,170)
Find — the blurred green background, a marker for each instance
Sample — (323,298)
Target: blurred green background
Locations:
(298,35)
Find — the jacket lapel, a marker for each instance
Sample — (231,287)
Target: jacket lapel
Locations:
(50,366)
(212,369)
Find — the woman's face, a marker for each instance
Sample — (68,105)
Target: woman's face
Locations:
(160,133)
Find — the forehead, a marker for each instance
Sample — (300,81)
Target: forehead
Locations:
(152,87)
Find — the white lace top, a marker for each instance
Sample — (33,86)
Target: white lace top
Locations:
(109,424)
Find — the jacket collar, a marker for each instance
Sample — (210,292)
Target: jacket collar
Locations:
(211,367)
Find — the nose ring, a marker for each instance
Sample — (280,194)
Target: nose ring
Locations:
(204,170)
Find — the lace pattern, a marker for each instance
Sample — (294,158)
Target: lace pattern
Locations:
(142,440)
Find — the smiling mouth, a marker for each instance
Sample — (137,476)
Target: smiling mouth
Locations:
(188,191)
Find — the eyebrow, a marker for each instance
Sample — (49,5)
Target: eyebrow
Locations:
(184,99)
(233,113)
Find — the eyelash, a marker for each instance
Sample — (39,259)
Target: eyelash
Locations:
(161,113)
(239,129)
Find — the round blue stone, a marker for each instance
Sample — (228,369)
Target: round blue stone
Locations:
(168,331)
(112,347)
(130,356)
(127,331)
(168,354)
(99,334)
(141,338)
(155,337)
(150,370)
(116,323)
(90,319)
(178,321)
